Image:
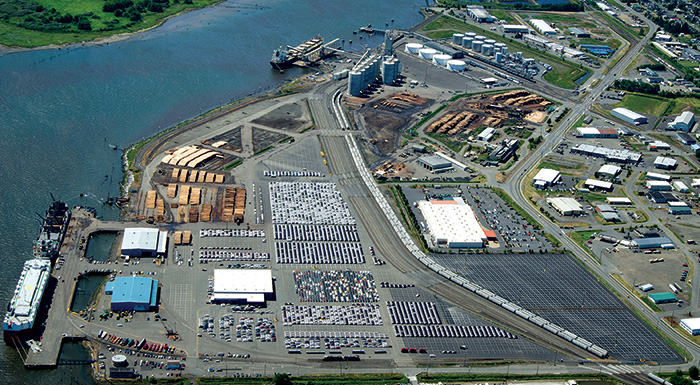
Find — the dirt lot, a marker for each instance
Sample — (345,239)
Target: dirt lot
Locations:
(232,139)
(292,116)
(263,138)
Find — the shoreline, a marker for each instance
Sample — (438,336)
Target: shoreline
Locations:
(103,40)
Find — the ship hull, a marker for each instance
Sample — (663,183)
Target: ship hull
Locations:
(15,337)
(280,65)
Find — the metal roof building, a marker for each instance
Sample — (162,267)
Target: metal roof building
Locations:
(652,243)
(610,154)
(579,32)
(610,170)
(594,184)
(685,138)
(516,28)
(618,201)
(663,297)
(452,223)
(677,208)
(680,186)
(683,122)
(543,27)
(434,163)
(691,325)
(608,213)
(144,242)
(480,14)
(565,206)
(658,185)
(664,163)
(546,177)
(658,176)
(242,285)
(133,293)
(629,116)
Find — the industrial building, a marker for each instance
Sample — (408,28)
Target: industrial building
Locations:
(661,197)
(504,151)
(658,176)
(579,32)
(364,73)
(546,177)
(480,14)
(608,213)
(618,201)
(609,170)
(144,242)
(683,122)
(443,49)
(665,163)
(653,243)
(543,27)
(680,187)
(516,28)
(487,134)
(658,145)
(609,154)
(594,132)
(565,206)
(455,163)
(658,185)
(435,163)
(252,286)
(452,223)
(598,185)
(629,116)
(659,298)
(691,325)
(685,138)
(678,208)
(133,293)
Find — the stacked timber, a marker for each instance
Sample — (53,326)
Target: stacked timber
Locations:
(219,178)
(195,195)
(172,190)
(205,214)
(183,176)
(202,176)
(151,199)
(175,175)
(209,178)
(184,195)
(229,200)
(194,214)
(193,176)
(186,237)
(239,208)
(177,238)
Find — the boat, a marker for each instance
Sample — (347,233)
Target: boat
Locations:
(53,229)
(24,306)
(285,57)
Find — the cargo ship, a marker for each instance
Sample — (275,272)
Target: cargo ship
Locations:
(24,306)
(53,229)
(284,58)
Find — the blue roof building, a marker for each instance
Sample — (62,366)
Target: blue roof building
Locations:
(133,293)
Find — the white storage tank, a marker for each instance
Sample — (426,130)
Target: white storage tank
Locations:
(504,50)
(467,42)
(389,71)
(456,65)
(479,37)
(355,85)
(470,34)
(476,45)
(413,47)
(499,45)
(457,38)
(490,41)
(499,57)
(120,361)
(427,53)
(487,49)
(441,59)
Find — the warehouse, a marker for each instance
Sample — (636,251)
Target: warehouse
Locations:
(665,163)
(683,122)
(133,293)
(486,135)
(653,242)
(691,325)
(608,213)
(543,27)
(609,154)
(629,116)
(658,145)
(435,164)
(678,208)
(480,14)
(594,184)
(680,187)
(252,286)
(618,201)
(661,197)
(516,28)
(144,242)
(685,138)
(593,132)
(565,206)
(658,176)
(546,177)
(658,185)
(579,32)
(609,170)
(452,223)
(659,298)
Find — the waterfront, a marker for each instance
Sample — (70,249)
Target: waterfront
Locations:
(61,109)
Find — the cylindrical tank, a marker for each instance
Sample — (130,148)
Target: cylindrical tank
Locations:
(479,37)
(499,57)
(355,86)
(490,41)
(441,59)
(467,42)
(470,34)
(504,50)
(413,47)
(120,361)
(487,49)
(499,45)
(457,38)
(389,71)
(519,55)
(427,53)
(476,45)
(456,65)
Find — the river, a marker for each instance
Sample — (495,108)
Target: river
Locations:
(61,109)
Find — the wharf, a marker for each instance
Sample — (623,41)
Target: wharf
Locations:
(60,323)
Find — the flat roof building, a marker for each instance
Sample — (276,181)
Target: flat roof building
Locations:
(487,134)
(658,185)
(658,298)
(133,293)
(683,122)
(243,285)
(516,28)
(685,138)
(652,242)
(618,201)
(543,27)
(579,32)
(452,223)
(691,325)
(629,116)
(665,163)
(609,154)
(565,206)
(610,170)
(594,184)
(435,163)
(658,176)
(594,132)
(480,14)
(546,177)
(608,213)
(144,242)
(680,187)
(678,208)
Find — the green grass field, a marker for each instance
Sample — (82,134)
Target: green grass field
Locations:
(503,15)
(681,104)
(566,20)
(563,73)
(647,104)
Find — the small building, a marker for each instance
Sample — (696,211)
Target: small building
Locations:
(658,176)
(658,145)
(618,201)
(681,187)
(608,213)
(565,206)
(691,325)
(678,208)
(685,138)
(546,177)
(487,134)
(516,28)
(593,132)
(609,170)
(655,79)
(659,298)
(251,286)
(695,183)
(652,242)
(115,372)
(435,164)
(144,242)
(419,148)
(665,163)
(658,185)
(543,27)
(683,122)
(599,185)
(133,293)
(579,32)
(629,116)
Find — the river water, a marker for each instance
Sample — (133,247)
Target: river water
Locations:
(60,110)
